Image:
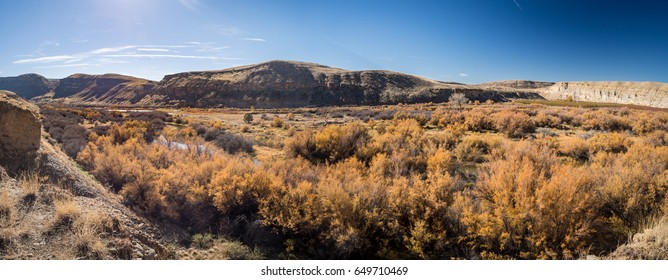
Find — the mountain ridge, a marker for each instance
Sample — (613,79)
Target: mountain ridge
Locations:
(284,83)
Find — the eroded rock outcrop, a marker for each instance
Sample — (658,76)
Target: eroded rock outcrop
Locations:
(639,93)
(20,132)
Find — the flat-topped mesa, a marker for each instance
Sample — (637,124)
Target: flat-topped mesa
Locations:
(27,85)
(651,94)
(296,84)
(20,132)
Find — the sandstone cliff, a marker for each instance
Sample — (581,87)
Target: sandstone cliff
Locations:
(639,93)
(20,132)
(26,86)
(517,84)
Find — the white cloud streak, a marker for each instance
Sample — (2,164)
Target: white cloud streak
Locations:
(255,39)
(152,50)
(64,66)
(45,59)
(115,55)
(170,56)
(163,56)
(518,5)
(463,75)
(112,50)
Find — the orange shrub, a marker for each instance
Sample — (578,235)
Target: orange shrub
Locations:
(613,142)
(634,184)
(529,206)
(604,120)
(514,124)
(575,148)
(331,144)
(398,190)
(444,117)
(645,122)
(544,120)
(478,120)
(130,129)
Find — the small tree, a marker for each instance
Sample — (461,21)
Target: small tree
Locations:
(458,99)
(248,118)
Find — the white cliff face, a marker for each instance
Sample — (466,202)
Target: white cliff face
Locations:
(639,93)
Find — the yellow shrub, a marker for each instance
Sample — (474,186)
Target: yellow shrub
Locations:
(531,207)
(544,120)
(129,130)
(478,120)
(575,148)
(514,124)
(603,120)
(613,142)
(332,143)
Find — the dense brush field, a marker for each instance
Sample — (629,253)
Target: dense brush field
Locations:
(483,181)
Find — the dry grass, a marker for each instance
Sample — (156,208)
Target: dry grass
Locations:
(221,249)
(66,213)
(30,186)
(7,209)
(87,242)
(8,232)
(651,243)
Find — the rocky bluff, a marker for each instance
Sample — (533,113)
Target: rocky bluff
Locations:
(20,132)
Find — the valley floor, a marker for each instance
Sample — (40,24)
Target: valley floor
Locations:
(422,181)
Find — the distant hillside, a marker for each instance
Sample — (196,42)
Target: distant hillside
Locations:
(297,84)
(110,89)
(276,84)
(27,85)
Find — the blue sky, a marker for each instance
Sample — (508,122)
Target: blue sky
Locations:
(469,41)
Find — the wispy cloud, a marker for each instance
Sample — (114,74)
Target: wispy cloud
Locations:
(463,75)
(255,39)
(112,50)
(518,5)
(43,47)
(125,54)
(45,59)
(152,50)
(193,5)
(64,66)
(231,31)
(166,56)
(196,43)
